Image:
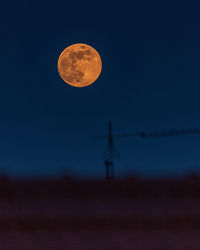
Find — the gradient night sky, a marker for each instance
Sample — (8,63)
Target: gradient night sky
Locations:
(150,81)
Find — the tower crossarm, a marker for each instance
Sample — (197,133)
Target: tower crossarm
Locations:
(163,133)
(172,132)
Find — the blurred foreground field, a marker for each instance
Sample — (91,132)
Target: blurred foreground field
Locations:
(126,214)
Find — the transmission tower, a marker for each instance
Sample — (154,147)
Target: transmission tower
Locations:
(109,162)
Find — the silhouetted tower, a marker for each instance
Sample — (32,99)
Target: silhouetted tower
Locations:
(109,162)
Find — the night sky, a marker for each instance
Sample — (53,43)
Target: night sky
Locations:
(150,81)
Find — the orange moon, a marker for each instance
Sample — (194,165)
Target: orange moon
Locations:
(79,65)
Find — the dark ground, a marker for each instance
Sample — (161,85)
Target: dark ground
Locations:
(127,214)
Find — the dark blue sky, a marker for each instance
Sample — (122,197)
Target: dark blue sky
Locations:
(150,81)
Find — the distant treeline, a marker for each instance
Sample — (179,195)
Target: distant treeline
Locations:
(128,187)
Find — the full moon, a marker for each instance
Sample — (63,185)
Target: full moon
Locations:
(79,65)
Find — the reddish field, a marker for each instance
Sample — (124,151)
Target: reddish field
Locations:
(128,214)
